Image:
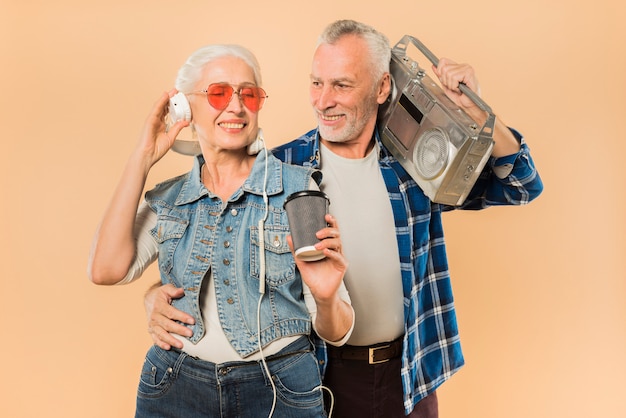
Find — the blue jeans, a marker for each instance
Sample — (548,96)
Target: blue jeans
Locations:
(174,384)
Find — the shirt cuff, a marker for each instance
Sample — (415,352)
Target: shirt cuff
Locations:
(502,166)
(345,338)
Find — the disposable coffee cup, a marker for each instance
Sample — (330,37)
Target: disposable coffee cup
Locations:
(306,211)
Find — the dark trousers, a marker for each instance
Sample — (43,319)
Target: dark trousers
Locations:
(371,390)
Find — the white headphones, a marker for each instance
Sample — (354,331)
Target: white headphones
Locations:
(179,108)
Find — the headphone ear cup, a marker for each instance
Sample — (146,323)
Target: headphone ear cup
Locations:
(179,108)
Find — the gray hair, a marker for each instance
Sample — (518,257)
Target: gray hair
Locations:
(191,71)
(377,42)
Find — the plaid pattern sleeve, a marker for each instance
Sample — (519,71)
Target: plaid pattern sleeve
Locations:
(519,187)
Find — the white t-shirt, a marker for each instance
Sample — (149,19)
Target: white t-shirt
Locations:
(360,202)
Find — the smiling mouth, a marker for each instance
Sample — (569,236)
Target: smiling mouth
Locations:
(229,125)
(329,118)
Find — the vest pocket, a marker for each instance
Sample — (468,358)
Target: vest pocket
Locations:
(279,263)
(168,227)
(167,232)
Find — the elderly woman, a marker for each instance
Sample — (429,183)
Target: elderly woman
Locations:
(248,352)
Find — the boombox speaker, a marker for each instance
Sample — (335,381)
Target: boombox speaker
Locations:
(437,143)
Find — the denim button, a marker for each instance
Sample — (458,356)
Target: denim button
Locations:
(229,229)
(226,262)
(233,212)
(226,244)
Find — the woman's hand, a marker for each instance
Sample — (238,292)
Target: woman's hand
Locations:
(156,139)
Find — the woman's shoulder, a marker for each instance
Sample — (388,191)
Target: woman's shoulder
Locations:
(166,187)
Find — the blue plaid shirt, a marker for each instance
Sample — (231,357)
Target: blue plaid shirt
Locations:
(431,346)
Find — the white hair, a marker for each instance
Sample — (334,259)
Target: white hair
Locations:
(377,42)
(191,71)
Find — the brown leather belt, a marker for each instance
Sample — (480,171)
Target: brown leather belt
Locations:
(377,353)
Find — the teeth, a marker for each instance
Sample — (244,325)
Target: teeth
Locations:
(330,118)
(232,125)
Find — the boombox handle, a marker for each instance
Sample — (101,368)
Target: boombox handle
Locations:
(400,50)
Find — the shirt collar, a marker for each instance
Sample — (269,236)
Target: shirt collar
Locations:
(383,153)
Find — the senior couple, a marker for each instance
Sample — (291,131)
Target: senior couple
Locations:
(243,331)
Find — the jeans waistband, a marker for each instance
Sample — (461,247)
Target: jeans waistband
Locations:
(300,346)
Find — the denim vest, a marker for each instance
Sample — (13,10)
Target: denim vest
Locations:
(198,233)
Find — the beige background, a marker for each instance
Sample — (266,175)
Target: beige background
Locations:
(540,290)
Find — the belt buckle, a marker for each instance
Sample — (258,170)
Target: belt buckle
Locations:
(372,351)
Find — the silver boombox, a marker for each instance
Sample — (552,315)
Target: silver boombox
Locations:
(437,143)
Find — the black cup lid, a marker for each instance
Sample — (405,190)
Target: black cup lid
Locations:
(302,193)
